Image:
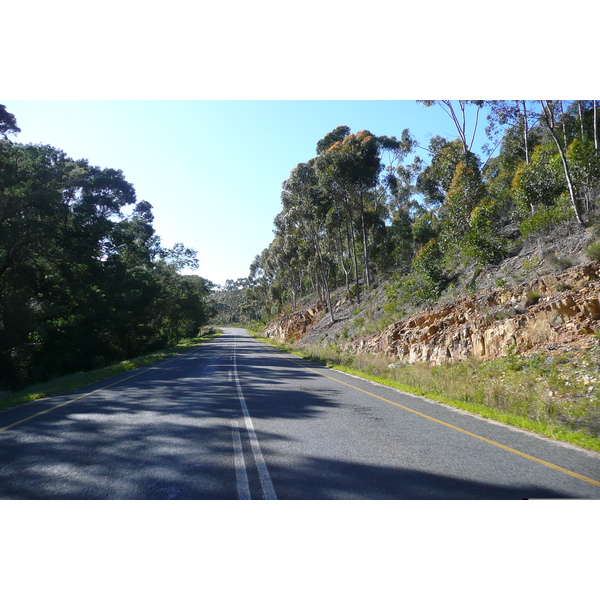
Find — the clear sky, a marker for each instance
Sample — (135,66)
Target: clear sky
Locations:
(207,107)
(213,170)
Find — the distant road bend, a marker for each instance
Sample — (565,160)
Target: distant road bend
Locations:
(237,419)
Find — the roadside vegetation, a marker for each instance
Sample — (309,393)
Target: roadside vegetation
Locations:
(423,217)
(84,280)
(557,396)
(417,222)
(77,380)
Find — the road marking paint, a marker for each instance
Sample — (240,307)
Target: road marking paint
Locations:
(43,412)
(469,433)
(263,473)
(241,477)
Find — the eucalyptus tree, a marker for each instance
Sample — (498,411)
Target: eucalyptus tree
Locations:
(340,230)
(457,111)
(333,137)
(435,180)
(286,263)
(399,179)
(349,170)
(226,302)
(550,116)
(267,289)
(339,221)
(520,115)
(305,209)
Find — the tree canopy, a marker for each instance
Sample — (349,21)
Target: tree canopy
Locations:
(372,207)
(84,279)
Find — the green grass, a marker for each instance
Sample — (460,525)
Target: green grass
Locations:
(554,396)
(77,380)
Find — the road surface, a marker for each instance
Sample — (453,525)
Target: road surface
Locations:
(237,419)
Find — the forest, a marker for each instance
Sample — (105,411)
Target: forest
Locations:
(84,279)
(372,208)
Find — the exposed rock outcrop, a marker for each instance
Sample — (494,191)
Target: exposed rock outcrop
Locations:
(291,327)
(552,312)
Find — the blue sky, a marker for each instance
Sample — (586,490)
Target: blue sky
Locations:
(213,170)
(206,108)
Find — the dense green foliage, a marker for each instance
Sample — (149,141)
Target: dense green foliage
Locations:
(373,208)
(84,280)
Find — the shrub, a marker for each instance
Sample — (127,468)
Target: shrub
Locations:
(533,297)
(482,242)
(558,262)
(464,195)
(545,218)
(593,250)
(427,279)
(540,182)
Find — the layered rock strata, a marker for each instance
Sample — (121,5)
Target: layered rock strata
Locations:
(291,327)
(552,312)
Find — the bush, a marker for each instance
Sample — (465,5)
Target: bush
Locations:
(427,279)
(533,297)
(558,262)
(593,250)
(482,242)
(545,218)
(539,183)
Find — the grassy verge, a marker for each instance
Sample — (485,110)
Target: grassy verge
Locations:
(554,396)
(77,380)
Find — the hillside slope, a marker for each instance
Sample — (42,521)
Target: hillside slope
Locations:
(547,297)
(558,313)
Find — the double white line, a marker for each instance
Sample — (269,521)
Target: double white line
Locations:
(240,465)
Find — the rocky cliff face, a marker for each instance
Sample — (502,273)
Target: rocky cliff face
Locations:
(291,327)
(555,312)
(552,312)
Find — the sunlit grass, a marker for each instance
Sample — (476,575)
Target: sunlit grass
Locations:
(77,380)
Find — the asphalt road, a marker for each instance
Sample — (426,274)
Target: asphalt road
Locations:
(237,419)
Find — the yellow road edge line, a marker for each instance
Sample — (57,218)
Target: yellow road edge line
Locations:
(43,412)
(483,439)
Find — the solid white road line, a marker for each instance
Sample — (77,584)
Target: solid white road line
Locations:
(263,473)
(240,465)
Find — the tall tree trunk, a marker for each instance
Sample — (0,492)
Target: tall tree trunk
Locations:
(548,116)
(596,126)
(340,240)
(580,109)
(294,296)
(564,127)
(365,241)
(526,131)
(323,274)
(352,246)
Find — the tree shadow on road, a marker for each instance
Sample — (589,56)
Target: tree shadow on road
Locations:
(166,433)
